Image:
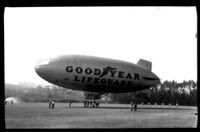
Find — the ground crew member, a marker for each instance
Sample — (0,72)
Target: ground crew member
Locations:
(84,104)
(131,105)
(97,104)
(94,104)
(135,106)
(87,104)
(52,104)
(70,103)
(90,103)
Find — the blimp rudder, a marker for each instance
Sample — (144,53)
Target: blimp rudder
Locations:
(145,64)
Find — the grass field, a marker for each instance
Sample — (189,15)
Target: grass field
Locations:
(37,115)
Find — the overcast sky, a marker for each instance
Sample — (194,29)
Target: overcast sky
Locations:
(163,35)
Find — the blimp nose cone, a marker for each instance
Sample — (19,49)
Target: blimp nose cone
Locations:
(41,68)
(37,69)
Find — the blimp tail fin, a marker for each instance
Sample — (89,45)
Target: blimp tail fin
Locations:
(145,64)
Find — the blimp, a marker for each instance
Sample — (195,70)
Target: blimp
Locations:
(96,76)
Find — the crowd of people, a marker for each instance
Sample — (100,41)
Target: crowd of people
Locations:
(87,104)
(92,104)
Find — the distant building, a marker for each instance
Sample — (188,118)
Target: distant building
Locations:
(12,100)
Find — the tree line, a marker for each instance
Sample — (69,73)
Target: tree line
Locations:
(42,93)
(169,92)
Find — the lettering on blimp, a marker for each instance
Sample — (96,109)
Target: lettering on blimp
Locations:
(100,73)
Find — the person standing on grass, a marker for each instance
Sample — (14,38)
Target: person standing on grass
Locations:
(50,103)
(135,106)
(132,105)
(70,104)
(85,103)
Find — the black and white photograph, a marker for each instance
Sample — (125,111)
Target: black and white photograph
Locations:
(100,67)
